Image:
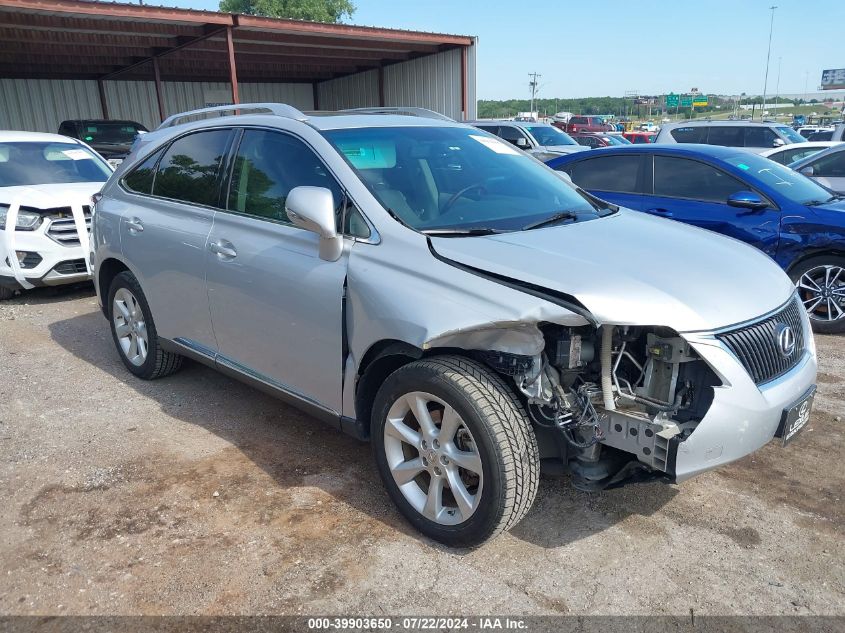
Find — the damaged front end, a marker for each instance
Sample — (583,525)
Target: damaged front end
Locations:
(610,404)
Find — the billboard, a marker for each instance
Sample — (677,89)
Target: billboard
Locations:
(833,79)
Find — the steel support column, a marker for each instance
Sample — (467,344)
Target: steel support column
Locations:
(104,106)
(464,91)
(233,71)
(159,96)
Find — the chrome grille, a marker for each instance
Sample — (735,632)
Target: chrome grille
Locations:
(757,348)
(62,228)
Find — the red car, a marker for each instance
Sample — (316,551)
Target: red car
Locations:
(586,124)
(640,137)
(599,139)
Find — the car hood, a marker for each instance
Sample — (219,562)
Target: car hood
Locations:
(52,195)
(632,269)
(108,150)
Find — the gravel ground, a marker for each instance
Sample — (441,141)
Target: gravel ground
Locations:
(198,495)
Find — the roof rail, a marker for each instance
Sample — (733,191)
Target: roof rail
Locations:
(401,110)
(278,109)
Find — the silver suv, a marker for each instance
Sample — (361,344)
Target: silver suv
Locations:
(756,137)
(424,285)
(541,140)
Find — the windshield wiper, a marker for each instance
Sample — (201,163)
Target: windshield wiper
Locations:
(458,232)
(557,217)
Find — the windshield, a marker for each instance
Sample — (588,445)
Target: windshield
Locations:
(790,184)
(548,135)
(110,133)
(457,178)
(47,163)
(792,135)
(617,140)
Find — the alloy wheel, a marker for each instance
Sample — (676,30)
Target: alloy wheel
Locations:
(822,290)
(433,458)
(130,327)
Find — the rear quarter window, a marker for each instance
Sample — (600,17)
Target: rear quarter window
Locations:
(691,134)
(608,173)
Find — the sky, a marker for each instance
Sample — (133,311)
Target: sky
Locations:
(590,49)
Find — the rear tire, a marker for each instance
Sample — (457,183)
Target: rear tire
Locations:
(134,332)
(474,449)
(6,293)
(821,285)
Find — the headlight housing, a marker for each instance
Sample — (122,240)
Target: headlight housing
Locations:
(27,220)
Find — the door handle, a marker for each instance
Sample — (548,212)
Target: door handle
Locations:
(660,211)
(135,226)
(223,249)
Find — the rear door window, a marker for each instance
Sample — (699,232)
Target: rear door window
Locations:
(760,137)
(608,173)
(726,135)
(690,134)
(190,168)
(831,166)
(693,180)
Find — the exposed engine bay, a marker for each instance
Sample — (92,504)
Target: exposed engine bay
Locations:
(611,404)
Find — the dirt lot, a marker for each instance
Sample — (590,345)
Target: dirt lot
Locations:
(198,495)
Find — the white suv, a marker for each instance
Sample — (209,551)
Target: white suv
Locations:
(46,184)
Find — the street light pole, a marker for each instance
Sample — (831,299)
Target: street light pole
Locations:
(777,85)
(768,57)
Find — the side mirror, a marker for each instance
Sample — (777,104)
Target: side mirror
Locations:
(747,200)
(778,142)
(312,209)
(807,171)
(521,142)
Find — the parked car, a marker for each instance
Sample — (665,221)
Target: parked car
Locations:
(754,136)
(638,138)
(796,222)
(826,167)
(587,124)
(808,130)
(796,151)
(649,126)
(111,139)
(456,302)
(598,139)
(42,177)
(541,140)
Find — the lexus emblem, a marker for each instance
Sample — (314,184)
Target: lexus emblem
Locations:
(785,339)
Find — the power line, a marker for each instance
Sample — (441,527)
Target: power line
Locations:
(768,57)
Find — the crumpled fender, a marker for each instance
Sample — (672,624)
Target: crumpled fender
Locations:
(38,199)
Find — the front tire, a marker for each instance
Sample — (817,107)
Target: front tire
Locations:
(455,450)
(821,285)
(6,293)
(134,331)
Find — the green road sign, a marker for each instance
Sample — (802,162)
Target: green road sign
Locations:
(700,100)
(686,101)
(672,100)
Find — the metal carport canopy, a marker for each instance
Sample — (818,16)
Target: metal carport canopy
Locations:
(82,39)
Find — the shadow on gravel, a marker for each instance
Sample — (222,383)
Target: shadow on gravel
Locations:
(297,450)
(51,294)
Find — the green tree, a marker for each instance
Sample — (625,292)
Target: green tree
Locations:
(331,11)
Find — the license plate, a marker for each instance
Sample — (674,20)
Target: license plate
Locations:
(796,417)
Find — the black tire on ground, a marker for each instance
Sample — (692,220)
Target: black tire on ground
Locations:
(503,437)
(6,293)
(818,320)
(159,363)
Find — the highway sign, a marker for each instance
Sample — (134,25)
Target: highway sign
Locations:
(672,100)
(686,101)
(699,100)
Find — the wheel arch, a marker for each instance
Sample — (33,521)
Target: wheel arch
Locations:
(832,251)
(106,272)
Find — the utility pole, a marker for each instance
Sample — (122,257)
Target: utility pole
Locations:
(533,84)
(768,57)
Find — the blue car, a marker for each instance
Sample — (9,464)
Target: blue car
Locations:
(797,222)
